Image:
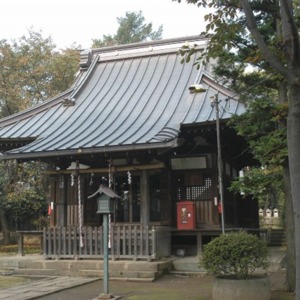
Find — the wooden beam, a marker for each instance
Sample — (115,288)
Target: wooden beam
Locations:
(105,170)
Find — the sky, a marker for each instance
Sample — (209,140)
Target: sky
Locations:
(80,21)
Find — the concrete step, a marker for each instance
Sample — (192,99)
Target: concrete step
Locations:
(126,270)
(77,265)
(36,272)
(187,264)
(128,275)
(150,276)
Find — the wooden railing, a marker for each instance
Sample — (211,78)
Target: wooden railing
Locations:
(126,242)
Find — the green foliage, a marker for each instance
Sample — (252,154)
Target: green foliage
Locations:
(227,31)
(263,184)
(132,29)
(263,126)
(22,191)
(235,254)
(31,71)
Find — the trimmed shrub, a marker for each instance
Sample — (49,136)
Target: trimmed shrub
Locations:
(235,254)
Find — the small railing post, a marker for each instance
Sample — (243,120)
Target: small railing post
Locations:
(45,241)
(20,244)
(153,248)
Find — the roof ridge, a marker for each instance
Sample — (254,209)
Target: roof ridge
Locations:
(149,43)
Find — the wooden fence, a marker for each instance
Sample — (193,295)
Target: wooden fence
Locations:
(126,242)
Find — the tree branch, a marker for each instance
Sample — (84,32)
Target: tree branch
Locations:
(268,55)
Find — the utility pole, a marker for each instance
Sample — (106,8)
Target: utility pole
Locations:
(215,103)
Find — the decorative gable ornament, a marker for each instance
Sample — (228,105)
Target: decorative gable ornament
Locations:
(85,59)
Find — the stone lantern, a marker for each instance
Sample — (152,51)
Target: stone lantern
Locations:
(105,206)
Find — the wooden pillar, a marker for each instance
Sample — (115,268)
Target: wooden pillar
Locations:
(62,201)
(145,205)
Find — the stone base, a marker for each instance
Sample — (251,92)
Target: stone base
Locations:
(245,289)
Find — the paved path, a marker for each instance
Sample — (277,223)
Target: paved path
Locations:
(175,287)
(42,287)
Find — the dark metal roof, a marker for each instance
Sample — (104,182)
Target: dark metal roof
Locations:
(103,189)
(125,98)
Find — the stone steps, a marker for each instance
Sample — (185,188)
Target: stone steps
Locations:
(277,237)
(127,275)
(123,270)
(35,272)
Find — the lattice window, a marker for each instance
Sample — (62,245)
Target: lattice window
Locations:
(195,192)
(178,193)
(199,192)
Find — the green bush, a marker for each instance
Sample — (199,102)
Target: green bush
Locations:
(235,254)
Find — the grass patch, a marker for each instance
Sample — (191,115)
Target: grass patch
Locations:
(10,281)
(10,250)
(281,295)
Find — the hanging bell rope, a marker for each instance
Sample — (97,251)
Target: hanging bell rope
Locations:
(110,181)
(79,204)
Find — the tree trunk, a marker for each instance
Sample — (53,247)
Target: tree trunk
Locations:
(289,216)
(290,233)
(5,229)
(294,165)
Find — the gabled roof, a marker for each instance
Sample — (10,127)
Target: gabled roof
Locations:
(127,97)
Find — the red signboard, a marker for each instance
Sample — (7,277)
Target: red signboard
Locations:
(186,218)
